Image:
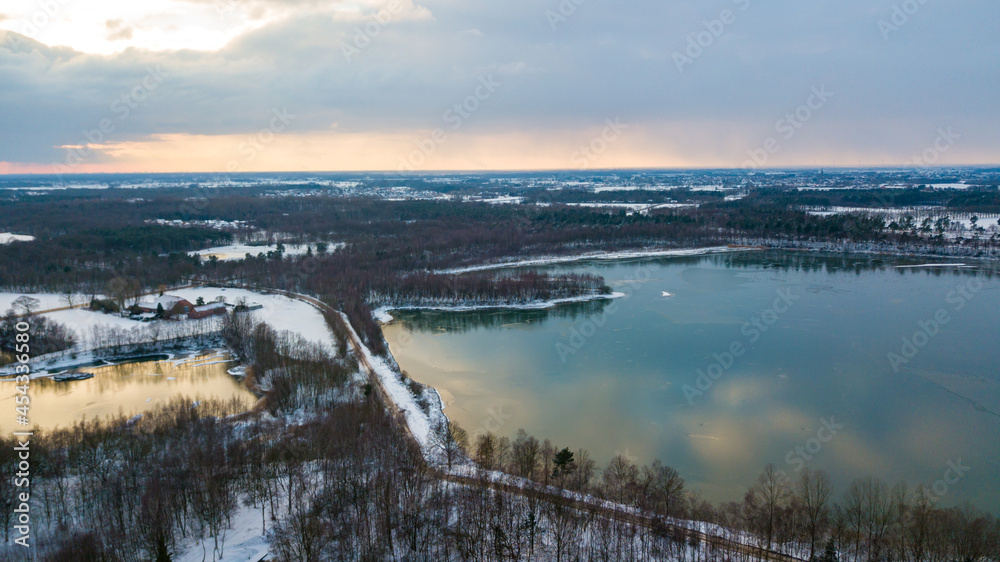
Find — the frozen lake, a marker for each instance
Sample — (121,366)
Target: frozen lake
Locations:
(720,364)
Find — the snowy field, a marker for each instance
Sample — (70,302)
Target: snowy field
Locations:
(281,312)
(47,301)
(240,251)
(635,206)
(8,237)
(959,223)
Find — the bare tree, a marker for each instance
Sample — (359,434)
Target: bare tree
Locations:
(25,305)
(814,491)
(525,452)
(452,440)
(771,493)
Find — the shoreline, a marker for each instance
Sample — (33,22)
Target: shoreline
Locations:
(383,314)
(603,256)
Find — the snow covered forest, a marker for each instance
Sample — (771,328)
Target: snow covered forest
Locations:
(322,468)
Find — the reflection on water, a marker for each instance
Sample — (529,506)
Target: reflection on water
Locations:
(620,388)
(127,387)
(458,322)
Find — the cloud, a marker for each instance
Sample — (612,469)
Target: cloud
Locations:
(117,30)
(605,61)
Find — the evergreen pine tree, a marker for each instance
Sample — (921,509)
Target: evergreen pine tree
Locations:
(830,553)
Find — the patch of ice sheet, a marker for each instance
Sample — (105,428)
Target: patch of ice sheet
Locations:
(629,254)
(48,365)
(384,314)
(934,265)
(8,237)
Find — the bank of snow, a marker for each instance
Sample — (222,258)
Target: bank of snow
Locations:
(384,314)
(421,423)
(8,237)
(627,254)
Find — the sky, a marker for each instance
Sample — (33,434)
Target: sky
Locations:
(327,85)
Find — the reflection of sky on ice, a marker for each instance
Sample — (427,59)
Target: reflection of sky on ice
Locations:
(622,387)
(127,388)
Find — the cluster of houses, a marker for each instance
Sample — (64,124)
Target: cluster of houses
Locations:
(178,308)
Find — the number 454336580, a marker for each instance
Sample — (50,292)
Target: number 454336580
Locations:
(23,370)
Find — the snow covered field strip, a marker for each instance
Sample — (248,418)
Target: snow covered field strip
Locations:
(628,254)
(240,251)
(384,314)
(46,301)
(932,265)
(8,237)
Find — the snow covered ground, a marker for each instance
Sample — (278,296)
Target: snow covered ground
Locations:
(281,312)
(629,254)
(8,237)
(244,541)
(240,251)
(384,314)
(498,200)
(607,188)
(421,424)
(46,301)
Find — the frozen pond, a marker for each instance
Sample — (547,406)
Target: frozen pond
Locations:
(129,388)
